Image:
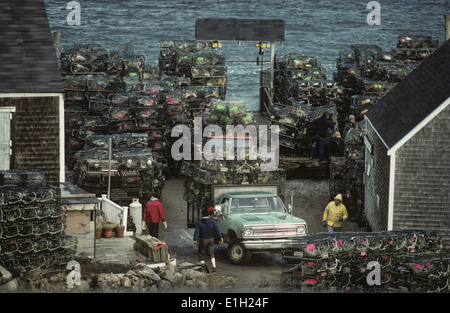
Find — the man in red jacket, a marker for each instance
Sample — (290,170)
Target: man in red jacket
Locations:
(153,213)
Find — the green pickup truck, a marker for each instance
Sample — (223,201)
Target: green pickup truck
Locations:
(254,219)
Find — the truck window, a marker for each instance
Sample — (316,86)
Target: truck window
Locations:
(223,203)
(256,205)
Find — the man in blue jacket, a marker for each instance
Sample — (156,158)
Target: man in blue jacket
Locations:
(322,125)
(204,238)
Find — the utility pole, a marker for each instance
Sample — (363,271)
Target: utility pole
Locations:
(272,67)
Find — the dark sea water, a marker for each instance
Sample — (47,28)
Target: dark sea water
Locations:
(320,28)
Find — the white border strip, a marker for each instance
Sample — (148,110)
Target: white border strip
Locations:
(30,94)
(375,130)
(391,192)
(62,143)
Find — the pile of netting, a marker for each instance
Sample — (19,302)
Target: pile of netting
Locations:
(392,261)
(32,222)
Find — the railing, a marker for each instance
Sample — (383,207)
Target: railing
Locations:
(115,213)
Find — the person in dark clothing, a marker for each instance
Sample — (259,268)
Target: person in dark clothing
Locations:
(336,146)
(322,125)
(204,238)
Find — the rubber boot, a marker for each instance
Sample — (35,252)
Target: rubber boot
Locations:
(205,268)
(213,263)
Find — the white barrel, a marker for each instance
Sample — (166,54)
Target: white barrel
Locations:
(136,214)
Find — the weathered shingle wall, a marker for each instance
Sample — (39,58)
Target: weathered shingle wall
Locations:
(35,134)
(422,189)
(377,183)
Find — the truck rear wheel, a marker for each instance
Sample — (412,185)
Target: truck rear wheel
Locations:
(237,253)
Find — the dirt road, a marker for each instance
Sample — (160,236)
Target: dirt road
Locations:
(263,273)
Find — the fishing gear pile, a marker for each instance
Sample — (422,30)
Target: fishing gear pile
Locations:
(393,261)
(32,222)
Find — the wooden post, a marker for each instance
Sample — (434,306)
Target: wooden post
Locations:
(272,67)
(109,167)
(57,41)
(447,26)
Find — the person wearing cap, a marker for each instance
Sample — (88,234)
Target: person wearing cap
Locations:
(204,237)
(336,145)
(322,125)
(334,215)
(351,124)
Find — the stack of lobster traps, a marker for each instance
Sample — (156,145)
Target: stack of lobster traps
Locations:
(414,48)
(190,63)
(296,135)
(175,56)
(347,173)
(302,93)
(200,176)
(84,58)
(368,262)
(32,222)
(223,113)
(132,171)
(295,77)
(117,92)
(338,182)
(367,73)
(422,272)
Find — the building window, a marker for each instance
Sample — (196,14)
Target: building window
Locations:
(369,164)
(5,137)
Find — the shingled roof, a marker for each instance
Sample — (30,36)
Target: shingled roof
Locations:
(28,62)
(413,99)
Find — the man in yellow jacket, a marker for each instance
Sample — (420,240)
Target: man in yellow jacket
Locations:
(335,213)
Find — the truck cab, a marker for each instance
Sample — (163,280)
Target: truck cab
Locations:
(256,221)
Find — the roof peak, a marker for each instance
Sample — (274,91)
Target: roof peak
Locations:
(414,98)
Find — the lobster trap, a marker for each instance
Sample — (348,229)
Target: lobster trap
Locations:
(410,259)
(32,222)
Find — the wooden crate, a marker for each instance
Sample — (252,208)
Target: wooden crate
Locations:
(152,248)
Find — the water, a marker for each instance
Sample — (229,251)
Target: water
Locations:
(320,28)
